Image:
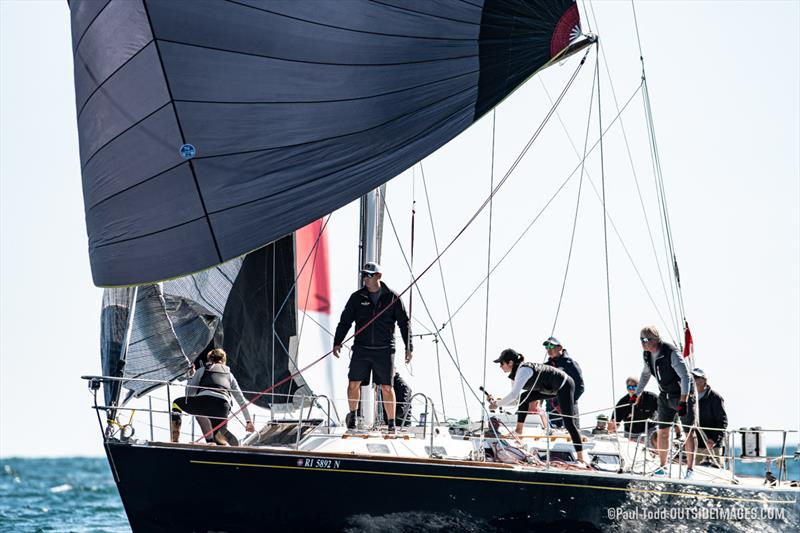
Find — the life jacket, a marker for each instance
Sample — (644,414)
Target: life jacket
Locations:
(668,380)
(545,379)
(218,377)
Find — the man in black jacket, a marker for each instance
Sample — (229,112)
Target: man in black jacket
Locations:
(559,358)
(712,415)
(375,309)
(632,412)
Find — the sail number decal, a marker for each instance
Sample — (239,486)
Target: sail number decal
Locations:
(327,464)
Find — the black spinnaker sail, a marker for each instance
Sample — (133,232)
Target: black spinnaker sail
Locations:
(210,128)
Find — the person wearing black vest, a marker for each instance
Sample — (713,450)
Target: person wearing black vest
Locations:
(208,396)
(534,382)
(558,357)
(711,408)
(375,309)
(663,361)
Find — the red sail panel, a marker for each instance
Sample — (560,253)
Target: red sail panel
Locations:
(313,281)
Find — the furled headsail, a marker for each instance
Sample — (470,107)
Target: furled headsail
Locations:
(208,128)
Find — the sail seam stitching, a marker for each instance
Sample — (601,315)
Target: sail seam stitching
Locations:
(306,143)
(103,83)
(400,36)
(440,17)
(88,26)
(337,100)
(305,61)
(123,132)
(180,129)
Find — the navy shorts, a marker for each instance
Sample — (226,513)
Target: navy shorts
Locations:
(668,410)
(379,364)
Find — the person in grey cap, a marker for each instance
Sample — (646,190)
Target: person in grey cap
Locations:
(375,309)
(558,357)
(712,415)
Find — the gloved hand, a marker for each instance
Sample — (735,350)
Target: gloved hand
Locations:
(683,408)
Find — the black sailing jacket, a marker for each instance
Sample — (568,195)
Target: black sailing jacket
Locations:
(380,333)
(713,415)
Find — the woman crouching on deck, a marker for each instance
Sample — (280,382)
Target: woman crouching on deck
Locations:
(534,382)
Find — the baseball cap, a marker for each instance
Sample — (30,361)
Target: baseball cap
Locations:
(371,268)
(698,373)
(507,355)
(552,340)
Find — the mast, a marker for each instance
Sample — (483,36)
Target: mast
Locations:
(369,249)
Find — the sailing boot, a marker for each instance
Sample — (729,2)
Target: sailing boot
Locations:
(350,420)
(220,439)
(230,437)
(175,428)
(392,428)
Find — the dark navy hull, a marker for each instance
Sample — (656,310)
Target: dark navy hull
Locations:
(186,488)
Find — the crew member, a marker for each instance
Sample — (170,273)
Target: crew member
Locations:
(633,415)
(558,357)
(711,408)
(375,309)
(208,394)
(534,382)
(663,361)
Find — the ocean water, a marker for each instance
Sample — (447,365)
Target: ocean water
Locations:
(66,494)
(79,495)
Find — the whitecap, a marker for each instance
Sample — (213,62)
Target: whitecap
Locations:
(61,488)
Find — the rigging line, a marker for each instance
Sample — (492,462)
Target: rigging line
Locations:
(616,230)
(586,18)
(488,271)
(439,372)
(577,203)
(293,288)
(274,333)
(657,162)
(435,332)
(638,39)
(310,283)
(411,266)
(541,211)
(663,191)
(408,265)
(661,206)
(444,286)
(317,322)
(605,224)
(430,265)
(636,180)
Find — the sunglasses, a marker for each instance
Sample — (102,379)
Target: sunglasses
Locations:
(631,387)
(367,275)
(550,345)
(645,340)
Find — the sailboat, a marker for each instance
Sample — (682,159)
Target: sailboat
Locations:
(215,139)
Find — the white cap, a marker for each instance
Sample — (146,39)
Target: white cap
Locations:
(371,268)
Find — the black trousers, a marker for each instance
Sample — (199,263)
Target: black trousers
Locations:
(565,401)
(215,409)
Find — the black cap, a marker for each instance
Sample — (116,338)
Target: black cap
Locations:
(507,355)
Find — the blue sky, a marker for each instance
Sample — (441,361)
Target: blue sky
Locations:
(725,87)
